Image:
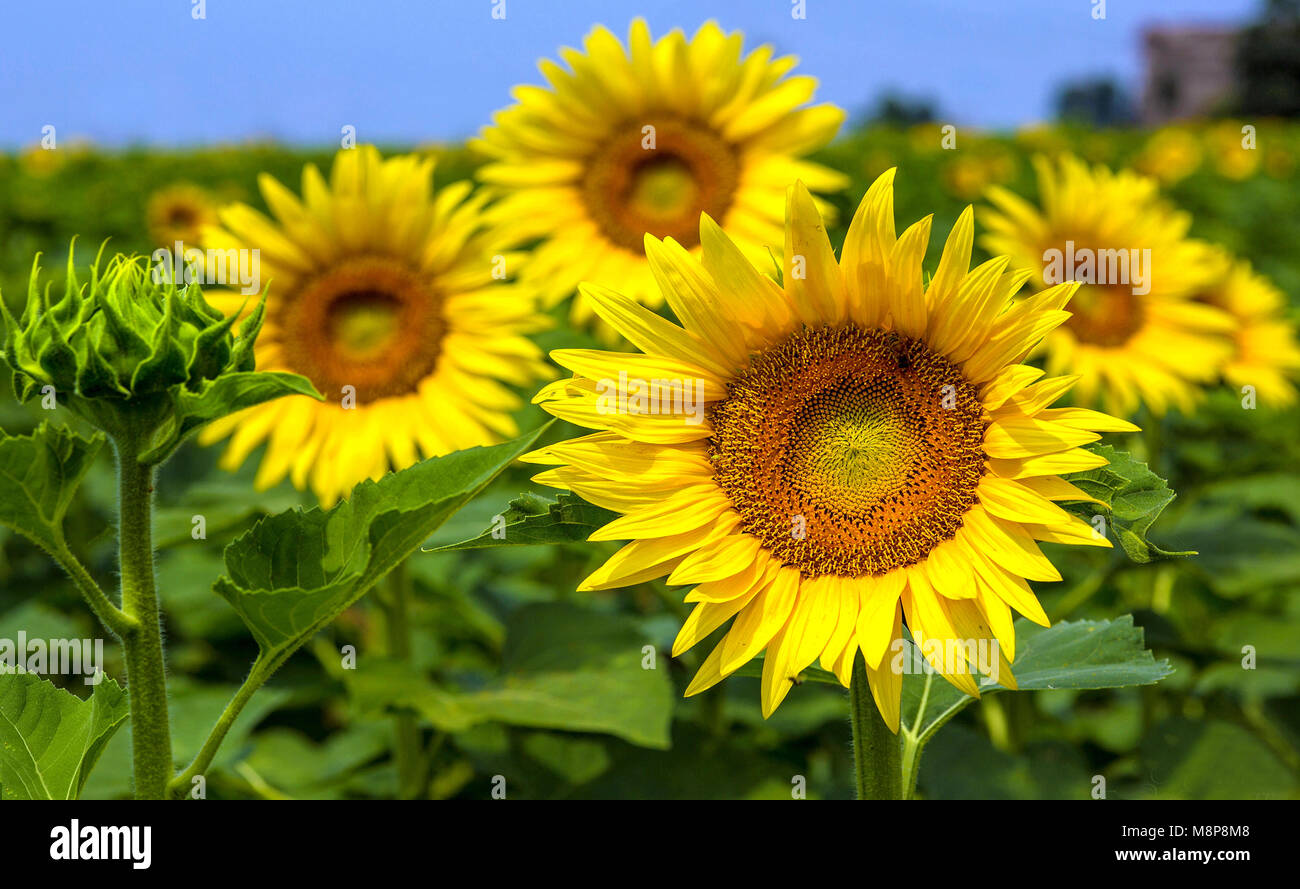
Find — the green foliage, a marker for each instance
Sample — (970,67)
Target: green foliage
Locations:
(293,573)
(39,474)
(1212,728)
(1135,497)
(50,738)
(563,667)
(1071,654)
(533,519)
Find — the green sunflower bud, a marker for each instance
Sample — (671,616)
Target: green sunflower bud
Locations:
(144,359)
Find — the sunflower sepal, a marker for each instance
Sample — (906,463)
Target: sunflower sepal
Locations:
(136,355)
(219,398)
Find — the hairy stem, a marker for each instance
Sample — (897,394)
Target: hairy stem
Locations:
(142,642)
(109,614)
(876,755)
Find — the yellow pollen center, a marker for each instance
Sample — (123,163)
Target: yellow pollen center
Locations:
(849,452)
(663,188)
(361,324)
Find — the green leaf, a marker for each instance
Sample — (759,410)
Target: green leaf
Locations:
(1084,654)
(532,519)
(221,397)
(1135,497)
(564,667)
(1210,759)
(49,738)
(291,574)
(290,762)
(961,763)
(576,669)
(192,709)
(39,474)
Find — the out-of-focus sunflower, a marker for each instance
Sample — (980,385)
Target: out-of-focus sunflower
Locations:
(179,213)
(1135,335)
(928,138)
(970,173)
(1265,353)
(385,293)
(1170,155)
(1045,137)
(838,455)
(642,140)
(40,162)
(1227,144)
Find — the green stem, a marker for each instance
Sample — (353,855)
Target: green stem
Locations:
(109,614)
(406,731)
(876,754)
(913,743)
(999,727)
(142,643)
(257,676)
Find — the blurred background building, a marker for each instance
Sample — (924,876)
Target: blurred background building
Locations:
(1190,72)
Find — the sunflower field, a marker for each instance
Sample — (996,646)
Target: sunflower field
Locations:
(387,475)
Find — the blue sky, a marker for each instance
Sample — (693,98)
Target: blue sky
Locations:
(145,71)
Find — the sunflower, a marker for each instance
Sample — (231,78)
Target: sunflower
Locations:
(383,295)
(1135,335)
(971,172)
(1170,155)
(1265,353)
(1226,143)
(642,140)
(833,457)
(40,162)
(179,213)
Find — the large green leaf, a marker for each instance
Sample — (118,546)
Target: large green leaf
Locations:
(291,574)
(564,667)
(532,519)
(1083,654)
(39,474)
(49,738)
(1135,497)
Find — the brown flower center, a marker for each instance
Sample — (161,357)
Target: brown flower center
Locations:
(658,176)
(369,322)
(1105,315)
(849,452)
(182,215)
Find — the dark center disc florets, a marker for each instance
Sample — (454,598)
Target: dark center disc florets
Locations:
(658,176)
(849,452)
(370,322)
